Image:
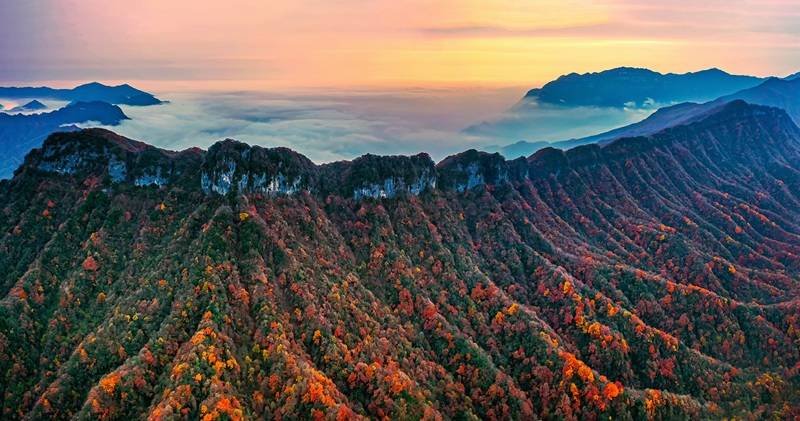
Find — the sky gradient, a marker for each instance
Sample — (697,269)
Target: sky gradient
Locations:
(337,43)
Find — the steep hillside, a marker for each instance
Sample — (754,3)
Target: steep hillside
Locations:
(653,278)
(774,92)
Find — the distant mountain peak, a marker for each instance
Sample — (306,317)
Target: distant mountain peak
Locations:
(92,85)
(103,112)
(34,105)
(629,69)
(713,70)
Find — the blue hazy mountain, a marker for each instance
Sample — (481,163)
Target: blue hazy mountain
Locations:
(773,92)
(19,133)
(34,105)
(628,86)
(579,105)
(94,91)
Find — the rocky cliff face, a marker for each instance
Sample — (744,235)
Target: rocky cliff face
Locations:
(232,166)
(653,278)
(104,155)
(379,177)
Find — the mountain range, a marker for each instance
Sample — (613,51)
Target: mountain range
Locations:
(775,92)
(636,87)
(91,102)
(19,133)
(94,91)
(647,278)
(575,106)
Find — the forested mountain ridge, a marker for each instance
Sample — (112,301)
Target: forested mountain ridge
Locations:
(655,277)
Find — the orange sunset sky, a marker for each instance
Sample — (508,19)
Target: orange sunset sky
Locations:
(306,43)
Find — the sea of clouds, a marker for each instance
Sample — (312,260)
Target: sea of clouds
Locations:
(330,125)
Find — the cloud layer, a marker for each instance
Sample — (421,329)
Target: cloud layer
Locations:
(325,127)
(333,126)
(531,121)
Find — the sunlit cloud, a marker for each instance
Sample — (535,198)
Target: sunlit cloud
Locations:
(388,43)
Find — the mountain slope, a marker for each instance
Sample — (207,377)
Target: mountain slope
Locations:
(651,278)
(20,133)
(774,92)
(94,91)
(624,86)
